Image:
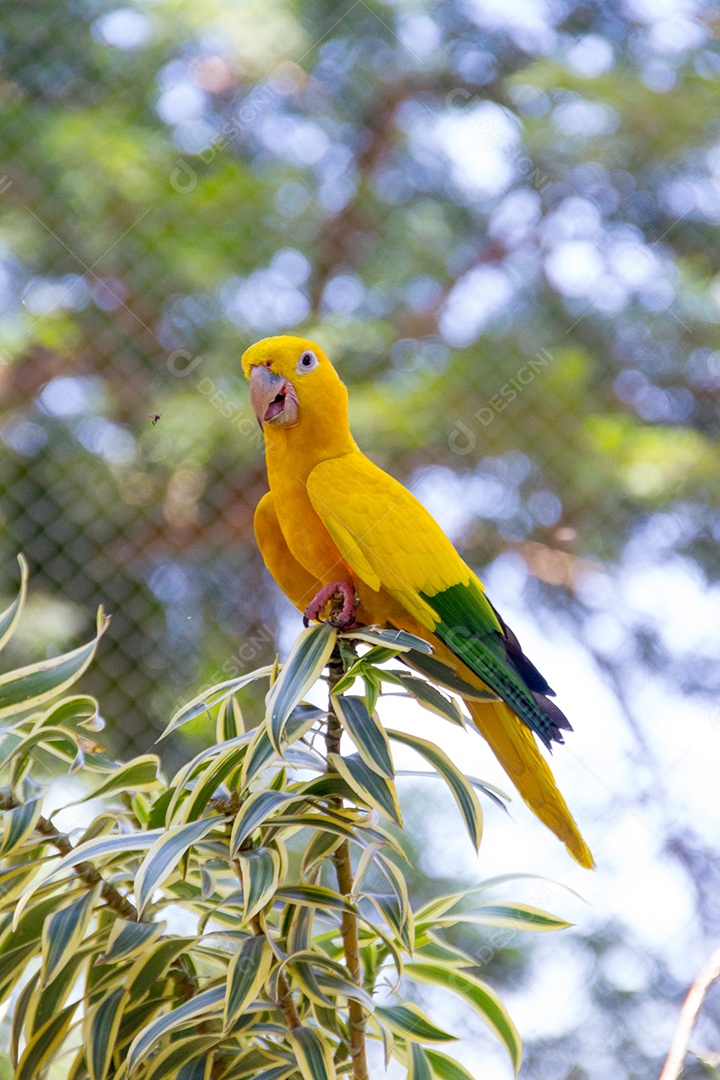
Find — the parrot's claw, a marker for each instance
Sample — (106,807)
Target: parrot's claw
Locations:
(343,602)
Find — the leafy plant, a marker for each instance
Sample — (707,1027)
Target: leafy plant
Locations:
(249,916)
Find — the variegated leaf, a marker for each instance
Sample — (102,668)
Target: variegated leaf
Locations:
(260,870)
(301,670)
(18,824)
(128,939)
(479,995)
(207,1002)
(42,1048)
(11,615)
(209,698)
(64,930)
(463,792)
(100,1032)
(256,809)
(312,1054)
(248,970)
(368,785)
(32,685)
(165,854)
(367,733)
(410,1022)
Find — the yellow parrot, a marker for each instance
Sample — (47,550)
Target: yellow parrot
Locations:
(334,525)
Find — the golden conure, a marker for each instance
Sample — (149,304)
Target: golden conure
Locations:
(335,522)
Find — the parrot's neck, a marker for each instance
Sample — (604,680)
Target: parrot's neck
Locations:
(298,450)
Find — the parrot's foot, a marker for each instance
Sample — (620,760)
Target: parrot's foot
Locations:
(343,602)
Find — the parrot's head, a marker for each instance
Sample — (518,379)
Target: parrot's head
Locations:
(292,382)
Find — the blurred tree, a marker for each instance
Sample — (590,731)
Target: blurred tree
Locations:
(502,223)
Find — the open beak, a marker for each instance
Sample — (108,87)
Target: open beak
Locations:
(273,398)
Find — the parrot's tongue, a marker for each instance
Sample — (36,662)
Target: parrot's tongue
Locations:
(275,407)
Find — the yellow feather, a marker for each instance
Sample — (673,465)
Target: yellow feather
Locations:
(515,748)
(334,514)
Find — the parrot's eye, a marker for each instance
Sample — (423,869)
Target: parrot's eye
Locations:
(307,362)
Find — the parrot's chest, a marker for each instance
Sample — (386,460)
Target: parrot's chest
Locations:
(305,535)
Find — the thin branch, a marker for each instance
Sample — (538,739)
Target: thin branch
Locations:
(284,994)
(707,975)
(343,870)
(85,870)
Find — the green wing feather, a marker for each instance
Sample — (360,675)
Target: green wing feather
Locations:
(391,541)
(468,625)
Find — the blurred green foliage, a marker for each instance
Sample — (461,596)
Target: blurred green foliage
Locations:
(442,197)
(451,199)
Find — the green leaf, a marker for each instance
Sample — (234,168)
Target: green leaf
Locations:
(320,847)
(229,723)
(261,751)
(410,1022)
(18,751)
(166,1064)
(11,615)
(443,675)
(419,1064)
(311,1052)
(165,854)
(198,1068)
(150,966)
(445,1068)
(256,809)
(371,788)
(315,896)
(479,995)
(140,774)
(511,915)
(429,697)
(64,930)
(205,701)
(78,711)
(203,1003)
(248,970)
(211,779)
(100,1032)
(18,824)
(194,767)
(260,870)
(129,939)
(301,670)
(367,733)
(90,852)
(31,686)
(461,789)
(395,908)
(398,640)
(44,1044)
(50,1000)
(27,993)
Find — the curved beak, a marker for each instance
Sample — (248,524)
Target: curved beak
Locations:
(273,398)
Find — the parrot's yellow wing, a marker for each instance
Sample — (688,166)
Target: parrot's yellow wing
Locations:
(391,542)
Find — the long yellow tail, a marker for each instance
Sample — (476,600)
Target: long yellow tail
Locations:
(515,748)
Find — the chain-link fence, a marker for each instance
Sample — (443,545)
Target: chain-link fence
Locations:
(492,256)
(502,226)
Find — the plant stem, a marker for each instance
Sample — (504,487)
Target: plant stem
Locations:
(85,870)
(709,974)
(284,997)
(343,870)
